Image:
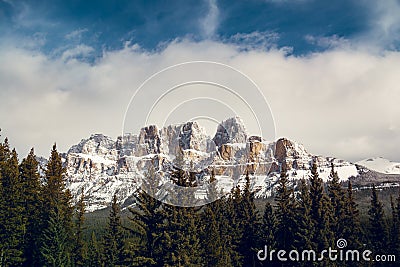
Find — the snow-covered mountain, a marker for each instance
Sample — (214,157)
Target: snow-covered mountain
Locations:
(101,166)
(381,165)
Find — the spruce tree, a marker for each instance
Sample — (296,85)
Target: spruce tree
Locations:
(337,202)
(58,213)
(215,238)
(12,215)
(4,157)
(268,226)
(319,212)
(268,230)
(378,236)
(55,194)
(393,231)
(212,245)
(79,251)
(396,232)
(146,220)
(231,226)
(2,204)
(247,213)
(33,202)
(181,237)
(184,181)
(93,258)
(114,239)
(285,213)
(181,227)
(352,228)
(55,241)
(304,224)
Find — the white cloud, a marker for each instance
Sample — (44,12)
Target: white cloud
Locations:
(328,42)
(255,40)
(76,34)
(25,16)
(384,31)
(341,102)
(77,51)
(210,22)
(389,20)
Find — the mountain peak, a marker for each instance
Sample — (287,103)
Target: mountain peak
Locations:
(287,148)
(231,130)
(193,136)
(93,144)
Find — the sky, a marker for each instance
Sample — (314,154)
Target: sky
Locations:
(329,71)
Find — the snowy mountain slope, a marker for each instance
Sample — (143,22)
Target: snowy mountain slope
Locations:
(101,166)
(381,165)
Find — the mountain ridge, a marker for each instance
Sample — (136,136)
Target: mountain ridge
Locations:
(101,166)
(380,164)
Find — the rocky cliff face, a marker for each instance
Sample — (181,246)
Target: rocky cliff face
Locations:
(231,130)
(101,166)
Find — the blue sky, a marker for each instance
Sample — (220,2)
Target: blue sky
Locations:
(325,65)
(108,25)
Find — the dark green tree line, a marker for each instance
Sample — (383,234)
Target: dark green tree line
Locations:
(39,226)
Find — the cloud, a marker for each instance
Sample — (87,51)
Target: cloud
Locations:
(329,42)
(342,102)
(209,23)
(255,40)
(25,17)
(81,50)
(76,34)
(384,29)
(389,21)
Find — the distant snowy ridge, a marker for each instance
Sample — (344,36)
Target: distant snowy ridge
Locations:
(381,165)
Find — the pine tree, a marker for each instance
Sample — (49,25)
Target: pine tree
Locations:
(213,228)
(337,201)
(285,216)
(181,240)
(304,224)
(268,226)
(231,226)
(58,213)
(181,229)
(56,196)
(55,184)
(4,157)
(93,255)
(79,252)
(183,193)
(55,247)
(146,219)
(352,227)
(393,231)
(396,232)
(33,202)
(2,204)
(377,230)
(249,216)
(212,244)
(268,229)
(319,211)
(114,239)
(12,214)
